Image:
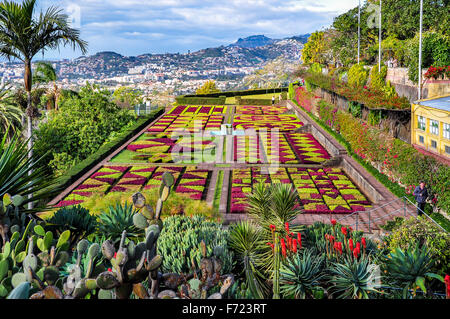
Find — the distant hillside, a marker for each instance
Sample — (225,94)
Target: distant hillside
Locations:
(253,51)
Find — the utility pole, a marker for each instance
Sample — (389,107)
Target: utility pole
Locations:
(379,45)
(359,28)
(419,95)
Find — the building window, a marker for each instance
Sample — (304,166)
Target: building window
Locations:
(434,127)
(433,144)
(447,149)
(447,131)
(421,140)
(422,125)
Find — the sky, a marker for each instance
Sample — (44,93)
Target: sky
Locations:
(133,27)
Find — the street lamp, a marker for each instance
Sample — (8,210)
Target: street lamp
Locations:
(419,95)
(379,44)
(359,28)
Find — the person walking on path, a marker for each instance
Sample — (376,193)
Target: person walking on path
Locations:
(421,195)
(273,99)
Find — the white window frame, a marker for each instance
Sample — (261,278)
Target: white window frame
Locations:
(422,123)
(434,127)
(446,132)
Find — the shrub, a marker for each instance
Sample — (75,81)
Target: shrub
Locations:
(426,233)
(357,75)
(76,219)
(180,243)
(378,79)
(117,219)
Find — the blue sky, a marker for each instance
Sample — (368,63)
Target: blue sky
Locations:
(133,27)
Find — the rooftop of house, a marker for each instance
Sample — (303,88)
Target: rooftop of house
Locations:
(441,103)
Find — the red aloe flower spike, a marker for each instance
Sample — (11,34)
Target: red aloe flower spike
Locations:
(363,241)
(286,226)
(109,269)
(350,244)
(272,228)
(294,246)
(299,240)
(271,246)
(283,247)
(355,253)
(447,285)
(115,255)
(333,222)
(344,231)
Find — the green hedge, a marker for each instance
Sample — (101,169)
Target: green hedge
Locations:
(183,100)
(107,149)
(242,93)
(255,102)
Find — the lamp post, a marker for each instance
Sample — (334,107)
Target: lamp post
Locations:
(359,28)
(379,44)
(419,95)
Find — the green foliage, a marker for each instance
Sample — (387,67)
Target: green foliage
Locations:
(117,219)
(74,218)
(247,243)
(374,117)
(207,88)
(355,109)
(184,100)
(378,79)
(316,68)
(435,52)
(410,268)
(353,279)
(301,275)
(21,175)
(180,243)
(315,49)
(80,127)
(127,97)
(357,75)
(424,232)
(10,112)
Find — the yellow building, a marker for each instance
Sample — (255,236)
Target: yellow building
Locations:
(430,131)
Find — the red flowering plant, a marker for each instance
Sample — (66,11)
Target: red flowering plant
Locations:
(438,72)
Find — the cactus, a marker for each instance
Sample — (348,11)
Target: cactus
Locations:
(11,220)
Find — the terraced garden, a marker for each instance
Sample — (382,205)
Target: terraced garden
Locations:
(191,143)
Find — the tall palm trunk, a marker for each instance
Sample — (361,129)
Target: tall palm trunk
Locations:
(29,112)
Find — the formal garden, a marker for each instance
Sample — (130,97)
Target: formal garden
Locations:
(201,200)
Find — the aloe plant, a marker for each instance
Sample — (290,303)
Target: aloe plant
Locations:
(353,279)
(301,274)
(246,242)
(410,268)
(119,218)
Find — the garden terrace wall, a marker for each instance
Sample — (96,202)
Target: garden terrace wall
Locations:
(396,122)
(106,150)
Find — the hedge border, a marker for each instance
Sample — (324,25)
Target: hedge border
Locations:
(241,93)
(104,151)
(183,100)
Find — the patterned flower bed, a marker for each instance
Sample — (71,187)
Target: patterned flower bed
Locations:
(198,110)
(178,123)
(189,180)
(99,183)
(163,149)
(257,122)
(321,191)
(247,149)
(288,148)
(307,148)
(261,110)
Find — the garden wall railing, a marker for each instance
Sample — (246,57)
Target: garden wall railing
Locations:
(372,221)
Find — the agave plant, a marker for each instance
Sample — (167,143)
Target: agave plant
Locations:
(74,218)
(301,274)
(119,218)
(353,279)
(246,242)
(410,268)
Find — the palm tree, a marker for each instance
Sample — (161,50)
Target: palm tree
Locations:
(22,36)
(10,113)
(44,74)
